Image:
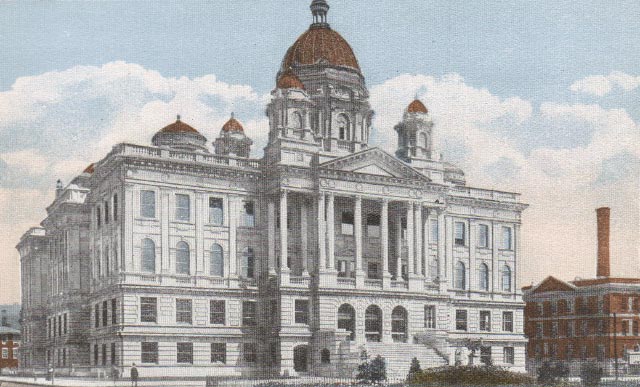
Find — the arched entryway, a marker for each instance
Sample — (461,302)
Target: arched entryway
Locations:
(301,358)
(399,324)
(347,320)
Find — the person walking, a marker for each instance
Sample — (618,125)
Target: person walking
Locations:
(134,376)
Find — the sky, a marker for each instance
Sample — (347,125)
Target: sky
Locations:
(537,97)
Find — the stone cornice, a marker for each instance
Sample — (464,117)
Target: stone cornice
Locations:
(486,203)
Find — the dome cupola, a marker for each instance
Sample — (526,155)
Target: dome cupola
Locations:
(289,80)
(232,140)
(180,136)
(415,134)
(417,107)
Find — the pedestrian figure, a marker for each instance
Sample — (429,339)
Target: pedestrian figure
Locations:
(115,374)
(50,373)
(134,376)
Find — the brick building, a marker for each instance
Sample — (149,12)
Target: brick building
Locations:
(9,344)
(586,320)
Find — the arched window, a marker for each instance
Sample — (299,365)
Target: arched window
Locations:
(148,256)
(325,356)
(343,127)
(483,277)
(107,261)
(183,259)
(399,324)
(347,320)
(424,140)
(506,278)
(217,261)
(248,261)
(296,121)
(373,323)
(460,276)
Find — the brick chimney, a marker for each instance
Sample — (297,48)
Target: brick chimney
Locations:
(603,241)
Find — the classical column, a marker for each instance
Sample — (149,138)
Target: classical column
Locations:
(271,234)
(284,237)
(322,234)
(426,257)
(410,240)
(304,237)
(331,233)
(398,275)
(233,250)
(418,238)
(358,233)
(384,236)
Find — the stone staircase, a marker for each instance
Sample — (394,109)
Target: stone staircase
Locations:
(398,357)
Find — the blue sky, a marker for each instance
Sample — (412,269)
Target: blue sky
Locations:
(539,97)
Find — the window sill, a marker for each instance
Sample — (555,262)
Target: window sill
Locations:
(183,222)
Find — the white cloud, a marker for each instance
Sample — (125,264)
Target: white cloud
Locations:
(54,124)
(601,85)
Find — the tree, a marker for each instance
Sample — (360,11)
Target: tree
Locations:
(414,369)
(590,374)
(548,373)
(371,371)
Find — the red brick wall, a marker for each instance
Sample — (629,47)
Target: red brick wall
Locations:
(12,361)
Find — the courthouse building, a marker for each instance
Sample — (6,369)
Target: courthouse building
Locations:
(586,320)
(192,258)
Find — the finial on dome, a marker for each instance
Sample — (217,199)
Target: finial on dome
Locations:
(319,10)
(178,117)
(233,115)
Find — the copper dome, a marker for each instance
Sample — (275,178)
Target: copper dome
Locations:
(289,80)
(417,107)
(232,125)
(89,169)
(178,127)
(317,44)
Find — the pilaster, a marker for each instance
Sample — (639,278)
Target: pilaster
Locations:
(384,243)
(284,239)
(358,241)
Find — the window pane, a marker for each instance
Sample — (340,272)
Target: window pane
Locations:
(183,311)
(183,262)
(185,353)
(249,354)
(485,321)
(248,214)
(248,262)
(217,312)
(373,225)
(483,235)
(217,261)
(219,353)
(461,320)
(430,316)
(460,280)
(506,279)
(216,213)
(183,208)
(433,238)
(249,313)
(302,311)
(347,223)
(148,256)
(148,204)
(507,321)
(483,277)
(506,238)
(148,309)
(460,234)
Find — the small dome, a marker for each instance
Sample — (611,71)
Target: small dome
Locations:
(417,107)
(89,169)
(288,80)
(232,125)
(178,127)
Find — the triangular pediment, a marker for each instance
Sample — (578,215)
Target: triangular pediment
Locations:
(374,161)
(552,284)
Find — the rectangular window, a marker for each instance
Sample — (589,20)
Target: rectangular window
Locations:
(373,225)
(148,204)
(585,327)
(217,312)
(302,311)
(96,355)
(106,212)
(347,223)
(98,216)
(183,311)
(485,355)
(183,208)
(5,353)
(570,328)
(433,235)
(508,355)
(483,235)
(219,353)
(114,311)
(459,234)
(539,330)
(372,270)
(249,352)
(104,354)
(105,316)
(216,213)
(430,316)
(96,317)
(113,353)
(185,353)
(59,325)
(149,353)
(507,242)
(485,321)
(115,207)
(554,329)
(65,323)
(461,320)
(507,321)
(249,313)
(248,215)
(403,229)
(149,309)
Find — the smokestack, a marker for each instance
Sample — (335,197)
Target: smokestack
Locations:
(603,215)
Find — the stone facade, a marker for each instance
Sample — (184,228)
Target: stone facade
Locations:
(186,261)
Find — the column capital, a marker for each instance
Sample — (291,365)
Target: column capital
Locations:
(283,192)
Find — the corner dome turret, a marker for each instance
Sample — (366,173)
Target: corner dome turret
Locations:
(232,140)
(289,80)
(180,136)
(417,107)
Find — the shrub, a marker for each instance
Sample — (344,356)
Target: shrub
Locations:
(415,368)
(590,374)
(371,371)
(470,376)
(548,373)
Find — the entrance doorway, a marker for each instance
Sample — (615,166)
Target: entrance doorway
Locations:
(300,358)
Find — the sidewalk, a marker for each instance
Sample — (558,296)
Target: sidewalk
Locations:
(9,381)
